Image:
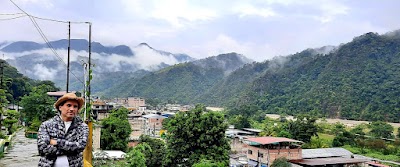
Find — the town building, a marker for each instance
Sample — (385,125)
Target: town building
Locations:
(136,102)
(264,150)
(152,124)
(101,109)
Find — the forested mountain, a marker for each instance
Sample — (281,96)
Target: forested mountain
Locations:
(183,82)
(15,84)
(360,80)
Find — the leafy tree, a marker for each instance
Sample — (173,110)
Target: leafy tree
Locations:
(207,163)
(381,129)
(303,128)
(11,120)
(239,121)
(37,104)
(195,135)
(338,128)
(359,129)
(270,128)
(115,130)
(3,104)
(343,138)
(156,156)
(398,132)
(136,157)
(50,85)
(281,162)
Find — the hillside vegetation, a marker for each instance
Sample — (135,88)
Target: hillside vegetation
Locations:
(358,80)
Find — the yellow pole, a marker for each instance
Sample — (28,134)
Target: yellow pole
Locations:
(87,153)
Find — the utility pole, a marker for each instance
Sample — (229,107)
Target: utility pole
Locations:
(1,69)
(87,153)
(69,48)
(84,88)
(90,53)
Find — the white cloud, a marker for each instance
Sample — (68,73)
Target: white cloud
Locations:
(225,44)
(176,12)
(43,3)
(330,11)
(44,73)
(148,58)
(248,9)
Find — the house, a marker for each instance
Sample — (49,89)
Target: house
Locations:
(264,150)
(59,94)
(136,102)
(152,124)
(101,109)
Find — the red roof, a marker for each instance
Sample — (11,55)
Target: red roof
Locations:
(269,140)
(328,161)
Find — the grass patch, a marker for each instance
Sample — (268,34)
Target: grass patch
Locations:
(372,153)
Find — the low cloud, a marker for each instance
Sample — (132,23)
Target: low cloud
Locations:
(43,73)
(45,65)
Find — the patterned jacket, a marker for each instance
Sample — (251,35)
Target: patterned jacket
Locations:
(70,144)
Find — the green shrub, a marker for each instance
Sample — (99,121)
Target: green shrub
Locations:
(34,125)
(2,136)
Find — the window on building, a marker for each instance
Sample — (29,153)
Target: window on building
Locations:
(261,155)
(250,152)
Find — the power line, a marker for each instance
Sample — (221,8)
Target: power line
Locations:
(13,18)
(8,14)
(32,18)
(60,21)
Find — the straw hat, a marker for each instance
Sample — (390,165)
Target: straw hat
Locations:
(69,96)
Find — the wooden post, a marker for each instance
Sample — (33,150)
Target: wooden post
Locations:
(87,153)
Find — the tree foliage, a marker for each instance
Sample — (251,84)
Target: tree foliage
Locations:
(11,121)
(381,129)
(207,163)
(156,156)
(240,116)
(195,135)
(281,162)
(303,128)
(136,157)
(398,132)
(38,105)
(115,130)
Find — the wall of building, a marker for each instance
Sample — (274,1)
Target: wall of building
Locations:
(268,155)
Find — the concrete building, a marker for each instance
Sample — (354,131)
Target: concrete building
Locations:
(264,150)
(136,102)
(152,124)
(101,109)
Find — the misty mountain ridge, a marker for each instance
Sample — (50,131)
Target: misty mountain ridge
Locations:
(37,61)
(356,80)
(180,81)
(178,56)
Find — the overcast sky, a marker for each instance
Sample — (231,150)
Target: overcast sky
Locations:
(258,29)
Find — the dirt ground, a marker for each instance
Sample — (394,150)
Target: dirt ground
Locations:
(349,123)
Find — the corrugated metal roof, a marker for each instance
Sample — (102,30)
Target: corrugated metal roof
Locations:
(270,140)
(328,161)
(325,153)
(153,116)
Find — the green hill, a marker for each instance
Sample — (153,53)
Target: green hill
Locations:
(182,83)
(360,81)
